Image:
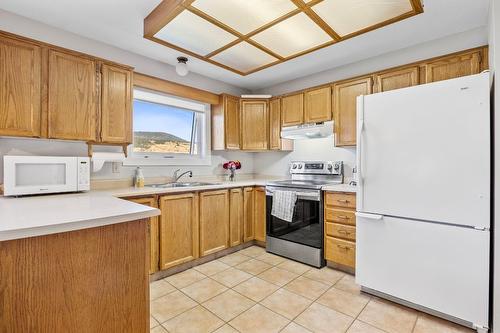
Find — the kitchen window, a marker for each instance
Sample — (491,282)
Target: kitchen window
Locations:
(169,130)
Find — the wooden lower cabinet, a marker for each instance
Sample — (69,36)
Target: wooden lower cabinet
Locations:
(248,214)
(153,234)
(214,221)
(340,229)
(260,213)
(179,229)
(235,216)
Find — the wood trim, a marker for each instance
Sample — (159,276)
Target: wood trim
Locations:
(168,9)
(172,88)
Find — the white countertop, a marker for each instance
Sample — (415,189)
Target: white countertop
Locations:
(340,188)
(43,215)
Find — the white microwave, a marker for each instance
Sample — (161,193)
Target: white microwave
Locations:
(25,175)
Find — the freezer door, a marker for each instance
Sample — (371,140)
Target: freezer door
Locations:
(424,152)
(444,268)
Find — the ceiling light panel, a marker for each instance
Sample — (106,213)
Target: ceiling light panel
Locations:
(195,34)
(294,35)
(243,57)
(245,16)
(349,16)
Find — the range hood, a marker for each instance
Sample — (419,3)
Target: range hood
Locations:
(308,131)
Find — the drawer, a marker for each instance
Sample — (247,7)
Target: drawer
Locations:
(340,251)
(346,200)
(340,216)
(340,231)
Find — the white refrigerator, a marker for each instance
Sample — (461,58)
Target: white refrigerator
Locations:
(423,203)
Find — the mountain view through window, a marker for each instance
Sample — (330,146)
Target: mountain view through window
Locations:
(162,128)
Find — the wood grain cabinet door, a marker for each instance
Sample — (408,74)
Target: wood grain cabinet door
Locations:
(20,88)
(318,105)
(292,110)
(275,124)
(153,234)
(116,104)
(179,232)
(72,97)
(260,214)
(396,79)
(235,216)
(232,122)
(248,214)
(214,221)
(453,67)
(345,94)
(254,125)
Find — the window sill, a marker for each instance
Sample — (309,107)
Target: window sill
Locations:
(134,161)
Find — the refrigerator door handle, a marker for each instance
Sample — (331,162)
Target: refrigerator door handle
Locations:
(360,124)
(370,216)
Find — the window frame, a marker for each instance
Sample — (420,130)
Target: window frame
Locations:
(201,122)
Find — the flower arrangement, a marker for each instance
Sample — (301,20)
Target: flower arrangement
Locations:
(232,166)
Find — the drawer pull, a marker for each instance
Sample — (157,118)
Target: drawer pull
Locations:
(343,200)
(344,232)
(343,247)
(343,217)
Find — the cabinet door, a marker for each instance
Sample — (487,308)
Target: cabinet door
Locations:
(20,88)
(235,216)
(153,234)
(248,214)
(254,125)
(116,104)
(214,221)
(344,99)
(318,105)
(232,122)
(260,214)
(454,66)
(275,124)
(292,110)
(179,230)
(396,79)
(72,104)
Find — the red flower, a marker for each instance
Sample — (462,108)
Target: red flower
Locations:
(235,165)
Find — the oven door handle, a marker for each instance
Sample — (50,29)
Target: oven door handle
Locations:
(309,196)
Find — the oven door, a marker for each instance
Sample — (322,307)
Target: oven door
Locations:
(306,227)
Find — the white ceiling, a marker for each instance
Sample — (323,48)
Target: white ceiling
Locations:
(120,23)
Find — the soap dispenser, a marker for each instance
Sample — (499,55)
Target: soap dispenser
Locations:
(139,178)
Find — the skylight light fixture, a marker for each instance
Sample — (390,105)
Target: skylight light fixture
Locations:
(181,68)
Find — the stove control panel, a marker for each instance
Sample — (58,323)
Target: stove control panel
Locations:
(317,167)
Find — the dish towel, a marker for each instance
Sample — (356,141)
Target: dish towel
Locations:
(284,205)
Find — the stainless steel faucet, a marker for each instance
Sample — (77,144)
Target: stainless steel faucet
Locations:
(176,176)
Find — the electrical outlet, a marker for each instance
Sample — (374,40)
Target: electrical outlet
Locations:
(115,167)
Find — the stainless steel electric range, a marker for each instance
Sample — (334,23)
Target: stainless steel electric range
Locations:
(302,239)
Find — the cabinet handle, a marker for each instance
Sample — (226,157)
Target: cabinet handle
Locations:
(343,247)
(343,217)
(342,200)
(344,232)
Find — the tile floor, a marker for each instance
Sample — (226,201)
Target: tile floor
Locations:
(254,291)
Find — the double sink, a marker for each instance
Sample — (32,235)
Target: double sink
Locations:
(181,184)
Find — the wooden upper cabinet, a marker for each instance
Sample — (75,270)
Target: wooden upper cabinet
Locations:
(248,214)
(235,216)
(116,104)
(396,79)
(292,110)
(20,88)
(344,98)
(214,221)
(153,234)
(179,231)
(254,125)
(453,66)
(72,97)
(275,124)
(318,105)
(260,214)
(226,123)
